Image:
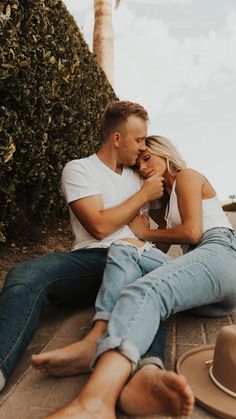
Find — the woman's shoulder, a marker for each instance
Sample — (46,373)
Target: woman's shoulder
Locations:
(189,179)
(189,173)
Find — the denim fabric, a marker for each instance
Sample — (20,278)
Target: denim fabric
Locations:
(205,277)
(155,354)
(30,286)
(127,271)
(129,265)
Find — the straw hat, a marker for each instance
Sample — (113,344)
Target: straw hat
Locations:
(211,372)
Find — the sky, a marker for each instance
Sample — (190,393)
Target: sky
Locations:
(178,59)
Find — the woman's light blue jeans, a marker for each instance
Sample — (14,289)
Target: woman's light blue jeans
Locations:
(203,279)
(128,263)
(127,272)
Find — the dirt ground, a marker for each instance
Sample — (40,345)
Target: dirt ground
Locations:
(43,239)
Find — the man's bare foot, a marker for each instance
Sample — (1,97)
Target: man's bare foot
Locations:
(154,391)
(92,409)
(71,360)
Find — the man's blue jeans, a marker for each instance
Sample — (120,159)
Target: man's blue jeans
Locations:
(30,286)
(52,279)
(203,279)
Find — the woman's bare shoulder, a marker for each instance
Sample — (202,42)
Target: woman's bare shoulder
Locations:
(189,173)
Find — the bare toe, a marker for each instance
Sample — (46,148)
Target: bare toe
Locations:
(153,391)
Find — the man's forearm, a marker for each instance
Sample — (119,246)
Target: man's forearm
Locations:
(112,219)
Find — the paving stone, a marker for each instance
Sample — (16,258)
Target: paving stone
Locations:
(170,327)
(30,413)
(187,316)
(65,389)
(212,330)
(170,357)
(77,325)
(199,413)
(50,322)
(30,392)
(189,334)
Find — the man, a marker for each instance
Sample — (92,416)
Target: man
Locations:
(94,188)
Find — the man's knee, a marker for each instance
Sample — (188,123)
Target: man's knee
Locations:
(24,285)
(25,273)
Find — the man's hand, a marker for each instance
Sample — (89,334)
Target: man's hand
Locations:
(153,187)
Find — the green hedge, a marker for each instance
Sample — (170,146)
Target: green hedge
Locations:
(52,94)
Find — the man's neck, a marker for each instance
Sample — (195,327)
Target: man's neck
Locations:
(109,158)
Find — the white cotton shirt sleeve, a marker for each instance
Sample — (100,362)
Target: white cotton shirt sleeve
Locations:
(78,181)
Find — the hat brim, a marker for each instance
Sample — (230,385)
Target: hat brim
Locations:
(192,365)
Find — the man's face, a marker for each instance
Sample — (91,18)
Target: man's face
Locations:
(132,140)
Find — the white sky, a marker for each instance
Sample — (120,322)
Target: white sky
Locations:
(178,59)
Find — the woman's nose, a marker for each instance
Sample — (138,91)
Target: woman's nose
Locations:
(142,167)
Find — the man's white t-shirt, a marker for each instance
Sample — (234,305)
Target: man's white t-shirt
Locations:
(90,176)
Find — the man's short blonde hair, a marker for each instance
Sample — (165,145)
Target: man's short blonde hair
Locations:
(115,115)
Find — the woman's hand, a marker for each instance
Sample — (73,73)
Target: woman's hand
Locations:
(149,173)
(140,226)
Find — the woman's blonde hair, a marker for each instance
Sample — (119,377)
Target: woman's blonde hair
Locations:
(162,147)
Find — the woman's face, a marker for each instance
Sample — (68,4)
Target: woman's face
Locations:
(148,163)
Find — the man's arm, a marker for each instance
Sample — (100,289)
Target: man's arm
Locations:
(102,222)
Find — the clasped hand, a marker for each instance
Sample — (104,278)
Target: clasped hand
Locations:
(140,226)
(153,185)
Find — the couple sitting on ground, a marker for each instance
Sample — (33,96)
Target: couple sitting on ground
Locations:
(142,286)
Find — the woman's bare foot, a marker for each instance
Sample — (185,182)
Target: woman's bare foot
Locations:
(92,409)
(72,360)
(154,391)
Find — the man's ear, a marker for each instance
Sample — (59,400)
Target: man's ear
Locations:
(116,139)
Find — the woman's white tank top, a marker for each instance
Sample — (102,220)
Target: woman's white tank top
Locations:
(213,215)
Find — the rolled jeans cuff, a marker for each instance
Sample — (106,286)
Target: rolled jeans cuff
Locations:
(151,360)
(125,347)
(102,315)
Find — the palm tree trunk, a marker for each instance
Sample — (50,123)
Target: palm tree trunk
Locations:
(103,37)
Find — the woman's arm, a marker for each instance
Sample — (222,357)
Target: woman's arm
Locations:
(189,194)
(158,216)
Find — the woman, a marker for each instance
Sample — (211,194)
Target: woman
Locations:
(203,277)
